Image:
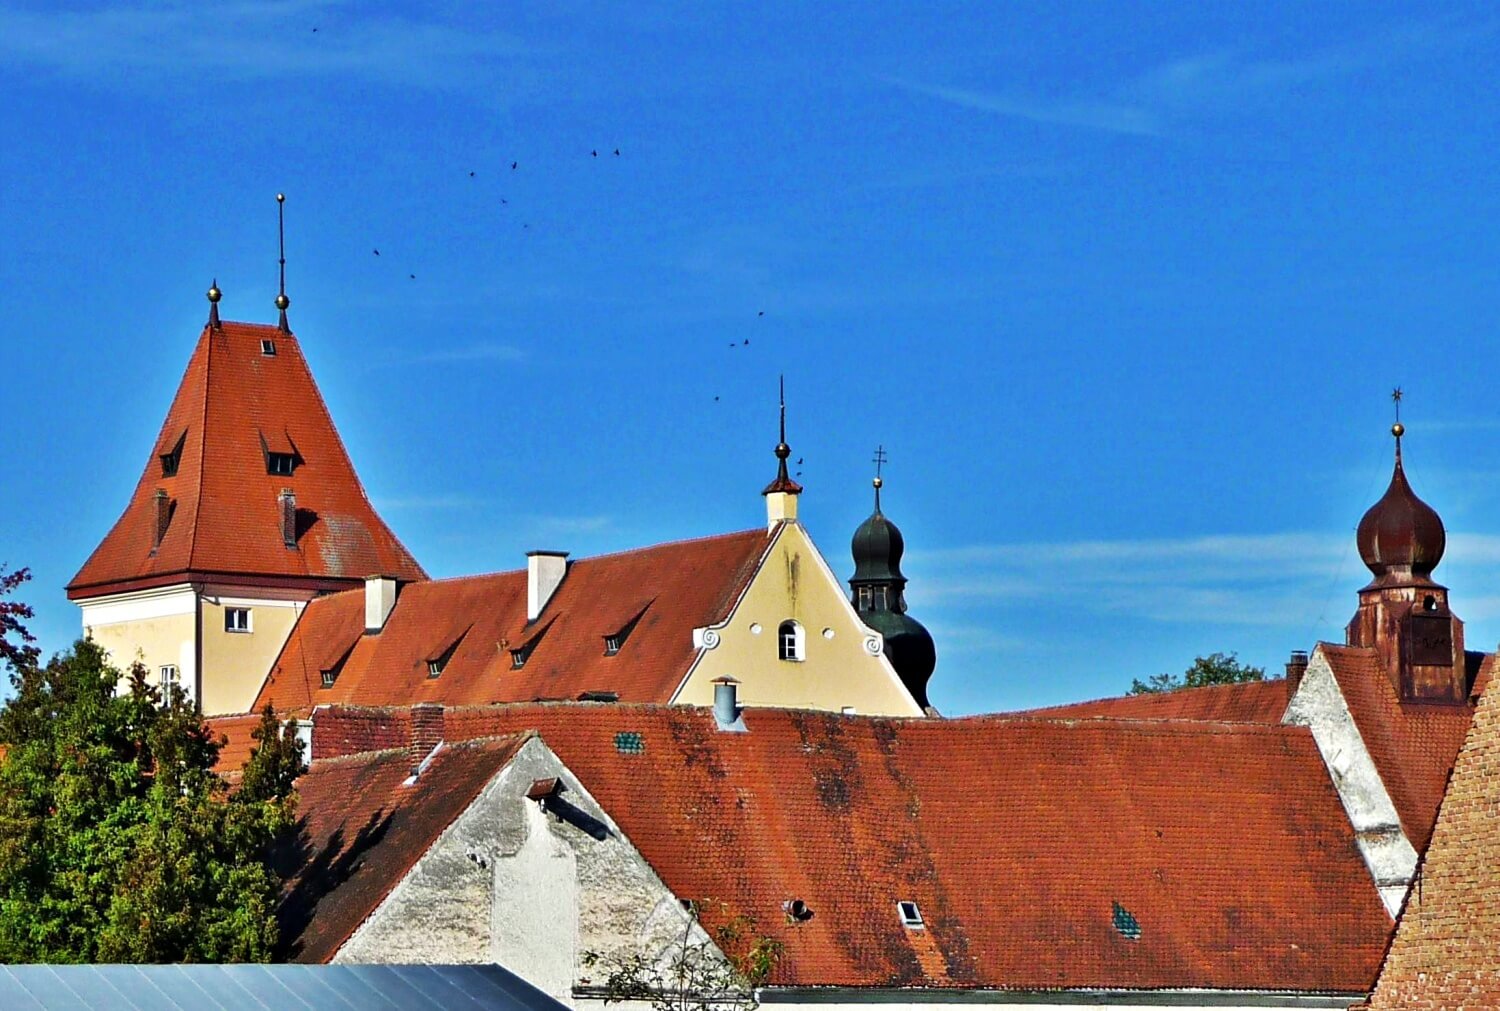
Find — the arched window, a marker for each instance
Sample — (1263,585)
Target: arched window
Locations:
(790,642)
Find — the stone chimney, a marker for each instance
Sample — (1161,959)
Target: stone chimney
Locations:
(380,599)
(544,573)
(288,501)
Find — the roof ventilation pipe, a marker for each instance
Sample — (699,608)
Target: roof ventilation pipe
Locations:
(727,705)
(544,573)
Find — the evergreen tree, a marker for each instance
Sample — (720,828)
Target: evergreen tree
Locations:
(118,841)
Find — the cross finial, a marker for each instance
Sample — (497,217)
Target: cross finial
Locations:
(878,460)
(281,300)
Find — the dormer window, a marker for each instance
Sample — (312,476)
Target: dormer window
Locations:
(437,664)
(615,640)
(172,460)
(280,463)
(268,348)
(329,677)
(791,641)
(518,657)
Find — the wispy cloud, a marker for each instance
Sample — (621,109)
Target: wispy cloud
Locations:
(1218,82)
(251,41)
(1291,580)
(1110,116)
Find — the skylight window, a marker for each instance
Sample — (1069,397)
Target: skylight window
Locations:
(1128,926)
(268,348)
(910,915)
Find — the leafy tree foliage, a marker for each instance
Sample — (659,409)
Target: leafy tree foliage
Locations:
(1214,669)
(16,647)
(695,973)
(118,841)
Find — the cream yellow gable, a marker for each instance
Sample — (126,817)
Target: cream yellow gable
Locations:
(842,666)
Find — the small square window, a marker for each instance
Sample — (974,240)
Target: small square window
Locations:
(268,348)
(236,619)
(911,916)
(435,667)
(518,657)
(329,676)
(280,463)
(611,645)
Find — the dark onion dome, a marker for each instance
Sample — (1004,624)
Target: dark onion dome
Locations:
(1401,533)
(879,597)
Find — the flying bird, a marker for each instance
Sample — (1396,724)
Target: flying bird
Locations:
(471,175)
(799,461)
(594,153)
(377,252)
(513,165)
(413,277)
(617,152)
(747,340)
(761,313)
(716,400)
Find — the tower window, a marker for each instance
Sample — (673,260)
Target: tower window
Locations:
(862,600)
(268,348)
(791,641)
(280,463)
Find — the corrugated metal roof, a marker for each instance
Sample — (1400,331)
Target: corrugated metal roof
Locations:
(270,987)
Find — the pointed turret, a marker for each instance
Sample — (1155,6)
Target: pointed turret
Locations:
(880,597)
(1402,613)
(248,505)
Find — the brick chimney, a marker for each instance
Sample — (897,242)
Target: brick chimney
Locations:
(426,731)
(1296,666)
(288,502)
(162,515)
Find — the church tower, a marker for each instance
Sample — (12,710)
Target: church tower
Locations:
(1402,613)
(879,595)
(248,508)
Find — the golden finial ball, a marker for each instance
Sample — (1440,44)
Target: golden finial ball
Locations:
(281,198)
(214,294)
(878,483)
(1398,430)
(282,302)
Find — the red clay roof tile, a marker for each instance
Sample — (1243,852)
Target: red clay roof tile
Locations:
(1015,837)
(225,516)
(1249,702)
(673,587)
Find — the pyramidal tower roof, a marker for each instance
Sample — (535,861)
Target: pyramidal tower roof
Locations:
(248,482)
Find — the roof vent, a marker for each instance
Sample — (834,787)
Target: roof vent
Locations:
(796,910)
(1128,926)
(541,789)
(727,705)
(630,742)
(910,915)
(288,500)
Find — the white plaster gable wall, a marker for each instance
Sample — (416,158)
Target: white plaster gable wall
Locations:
(511,884)
(1319,705)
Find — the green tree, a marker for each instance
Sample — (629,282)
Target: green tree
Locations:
(1214,669)
(118,841)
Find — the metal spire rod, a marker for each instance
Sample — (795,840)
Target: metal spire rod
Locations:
(281,300)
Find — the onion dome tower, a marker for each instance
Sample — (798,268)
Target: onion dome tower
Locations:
(880,598)
(1402,613)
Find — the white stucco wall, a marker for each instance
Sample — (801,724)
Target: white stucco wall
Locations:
(1320,706)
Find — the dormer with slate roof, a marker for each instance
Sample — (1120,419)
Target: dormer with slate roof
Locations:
(248,507)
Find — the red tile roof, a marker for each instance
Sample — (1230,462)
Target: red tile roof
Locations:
(232,405)
(673,588)
(1446,953)
(361,830)
(1412,744)
(1016,838)
(1250,702)
(238,744)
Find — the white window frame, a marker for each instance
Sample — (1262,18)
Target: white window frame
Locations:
(913,919)
(233,628)
(167,675)
(791,641)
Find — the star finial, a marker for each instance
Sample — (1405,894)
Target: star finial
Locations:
(1398,429)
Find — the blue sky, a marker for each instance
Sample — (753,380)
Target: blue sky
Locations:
(1122,288)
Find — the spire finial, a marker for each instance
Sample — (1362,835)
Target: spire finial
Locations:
(214,294)
(1398,429)
(783,482)
(281,300)
(878,460)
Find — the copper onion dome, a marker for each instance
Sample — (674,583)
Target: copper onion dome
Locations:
(1401,532)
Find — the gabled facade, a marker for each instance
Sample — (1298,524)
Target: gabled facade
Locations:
(248,507)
